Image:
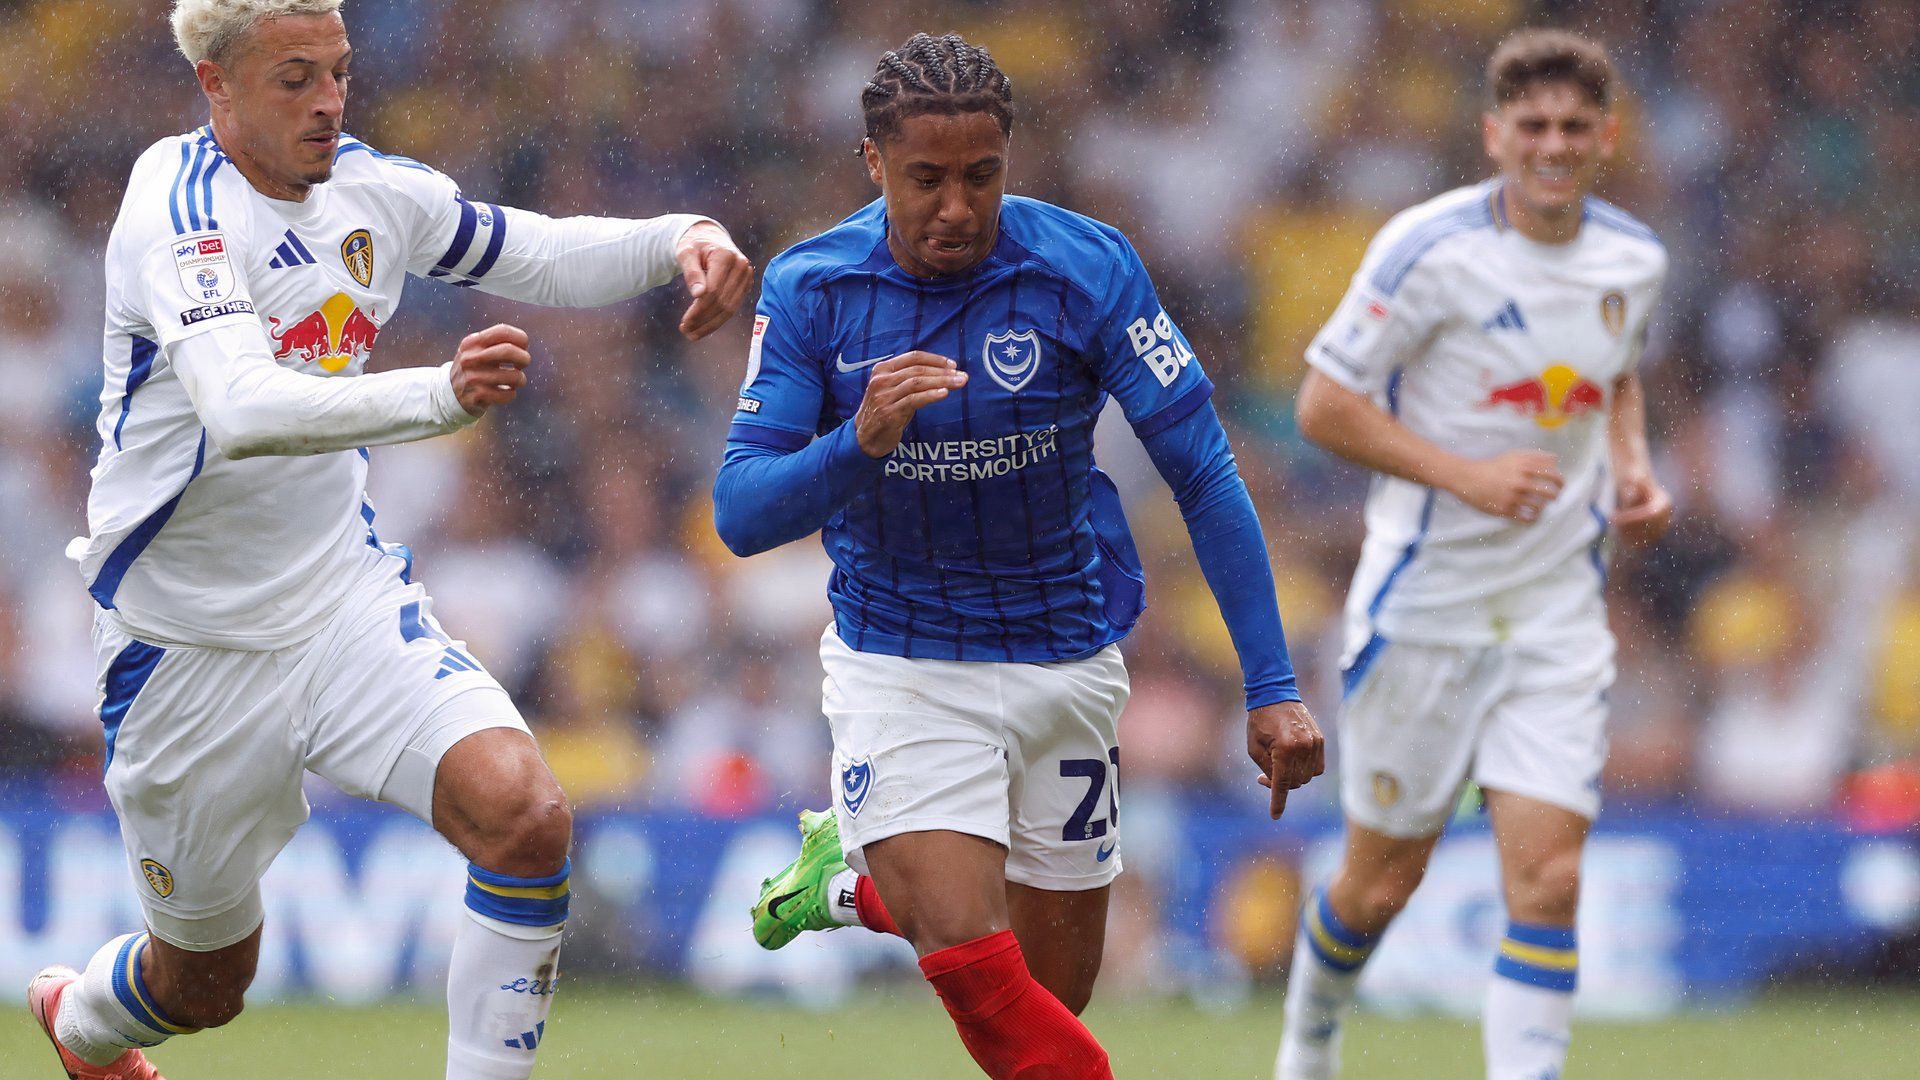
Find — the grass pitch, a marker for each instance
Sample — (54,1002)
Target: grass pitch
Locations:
(607,1032)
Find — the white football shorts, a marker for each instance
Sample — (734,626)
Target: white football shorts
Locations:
(1526,716)
(1025,755)
(206,748)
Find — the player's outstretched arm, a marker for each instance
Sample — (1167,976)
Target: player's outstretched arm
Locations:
(1283,739)
(580,262)
(1515,485)
(1643,509)
(253,407)
(773,489)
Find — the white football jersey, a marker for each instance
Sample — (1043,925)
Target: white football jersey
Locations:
(188,546)
(1482,341)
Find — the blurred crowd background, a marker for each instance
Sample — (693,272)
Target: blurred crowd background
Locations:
(1770,646)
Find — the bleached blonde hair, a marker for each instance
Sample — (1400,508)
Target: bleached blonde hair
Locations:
(208,29)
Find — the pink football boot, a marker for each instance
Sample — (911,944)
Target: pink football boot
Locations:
(43,997)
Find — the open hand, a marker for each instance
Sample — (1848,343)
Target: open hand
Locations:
(1286,743)
(490,367)
(717,278)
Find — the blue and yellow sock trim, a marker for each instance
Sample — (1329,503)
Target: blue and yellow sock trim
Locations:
(130,987)
(1543,956)
(540,901)
(1331,941)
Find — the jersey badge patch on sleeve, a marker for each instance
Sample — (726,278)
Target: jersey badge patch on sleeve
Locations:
(205,272)
(357,252)
(753,350)
(1012,358)
(1159,347)
(1357,327)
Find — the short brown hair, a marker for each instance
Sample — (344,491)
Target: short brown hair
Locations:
(1530,57)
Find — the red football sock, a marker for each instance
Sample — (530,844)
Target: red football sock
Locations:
(873,913)
(1011,1025)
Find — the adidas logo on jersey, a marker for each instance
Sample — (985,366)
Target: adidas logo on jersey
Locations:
(1507,318)
(291,253)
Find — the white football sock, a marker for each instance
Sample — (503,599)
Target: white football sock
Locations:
(1327,961)
(96,1022)
(840,890)
(503,974)
(1529,1014)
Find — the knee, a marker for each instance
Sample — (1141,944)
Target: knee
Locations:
(1546,889)
(932,928)
(527,836)
(1369,900)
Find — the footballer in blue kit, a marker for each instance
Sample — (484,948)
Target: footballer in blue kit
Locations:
(922,387)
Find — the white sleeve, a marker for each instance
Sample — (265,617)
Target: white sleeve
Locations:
(1388,315)
(252,406)
(521,255)
(576,261)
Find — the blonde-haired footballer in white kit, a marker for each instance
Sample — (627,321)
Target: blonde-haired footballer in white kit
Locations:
(252,624)
(1483,363)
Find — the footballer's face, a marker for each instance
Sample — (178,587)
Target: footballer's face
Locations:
(277,104)
(1550,143)
(943,178)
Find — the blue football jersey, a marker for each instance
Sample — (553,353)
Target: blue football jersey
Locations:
(989,534)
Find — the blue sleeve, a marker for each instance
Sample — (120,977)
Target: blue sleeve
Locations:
(777,483)
(1143,359)
(1194,458)
(773,491)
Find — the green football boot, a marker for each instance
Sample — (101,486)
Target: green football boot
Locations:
(795,899)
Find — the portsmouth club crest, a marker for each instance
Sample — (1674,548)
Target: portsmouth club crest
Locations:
(856,781)
(357,252)
(1012,358)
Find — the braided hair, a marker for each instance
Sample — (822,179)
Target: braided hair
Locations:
(941,75)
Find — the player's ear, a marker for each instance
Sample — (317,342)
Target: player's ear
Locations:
(1490,133)
(1609,135)
(213,82)
(875,169)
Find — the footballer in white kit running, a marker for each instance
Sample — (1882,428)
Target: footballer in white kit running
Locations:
(1484,363)
(252,623)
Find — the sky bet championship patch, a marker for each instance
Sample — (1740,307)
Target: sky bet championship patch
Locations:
(205,273)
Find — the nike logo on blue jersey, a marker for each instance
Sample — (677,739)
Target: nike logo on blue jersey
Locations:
(841,362)
(1105,850)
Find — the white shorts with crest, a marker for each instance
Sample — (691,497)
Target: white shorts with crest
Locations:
(1025,755)
(207,748)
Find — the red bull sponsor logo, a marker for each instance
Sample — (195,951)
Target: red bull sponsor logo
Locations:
(333,337)
(1557,395)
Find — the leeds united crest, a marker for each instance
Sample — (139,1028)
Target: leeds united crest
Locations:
(357,252)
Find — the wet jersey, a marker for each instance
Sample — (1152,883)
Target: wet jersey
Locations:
(186,545)
(989,534)
(1482,341)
